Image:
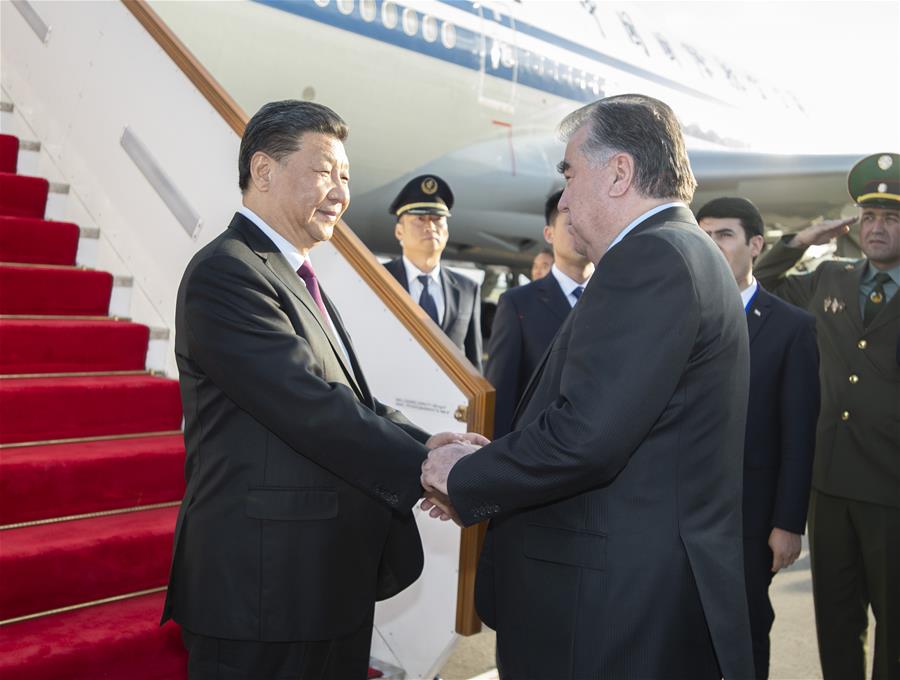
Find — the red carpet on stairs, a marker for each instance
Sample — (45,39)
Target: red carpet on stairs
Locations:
(116,641)
(28,239)
(23,196)
(37,409)
(58,480)
(39,290)
(69,563)
(65,346)
(9,153)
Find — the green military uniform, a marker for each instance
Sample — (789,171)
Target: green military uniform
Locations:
(854,517)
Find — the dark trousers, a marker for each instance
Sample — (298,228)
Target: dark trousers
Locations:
(855,554)
(757,578)
(345,658)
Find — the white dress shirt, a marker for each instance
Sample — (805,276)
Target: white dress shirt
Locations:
(567,284)
(646,215)
(748,293)
(434,285)
(296,261)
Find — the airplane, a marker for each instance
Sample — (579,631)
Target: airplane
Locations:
(473,91)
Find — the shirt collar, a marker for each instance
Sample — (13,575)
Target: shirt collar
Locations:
(748,293)
(413,272)
(567,283)
(870,272)
(650,213)
(286,248)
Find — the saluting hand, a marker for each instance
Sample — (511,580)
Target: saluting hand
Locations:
(821,232)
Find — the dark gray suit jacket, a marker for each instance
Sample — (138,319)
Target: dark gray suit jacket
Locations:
(526,321)
(615,547)
(462,309)
(296,515)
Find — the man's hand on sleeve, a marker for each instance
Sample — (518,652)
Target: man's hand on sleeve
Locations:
(444,438)
(785,548)
(821,233)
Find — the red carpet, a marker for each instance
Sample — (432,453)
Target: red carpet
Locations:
(117,641)
(87,407)
(57,480)
(9,153)
(48,290)
(27,239)
(23,196)
(64,563)
(69,563)
(67,345)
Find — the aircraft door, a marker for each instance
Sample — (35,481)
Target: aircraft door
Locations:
(499,59)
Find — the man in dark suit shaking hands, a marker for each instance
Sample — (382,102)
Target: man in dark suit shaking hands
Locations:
(451,300)
(528,317)
(781,416)
(615,545)
(296,515)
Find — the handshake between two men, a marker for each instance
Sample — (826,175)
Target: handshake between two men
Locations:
(445,450)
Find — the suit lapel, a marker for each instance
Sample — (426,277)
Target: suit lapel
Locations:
(356,376)
(550,294)
(758,312)
(396,268)
(451,300)
(281,268)
(536,376)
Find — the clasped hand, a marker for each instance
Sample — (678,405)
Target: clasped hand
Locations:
(445,450)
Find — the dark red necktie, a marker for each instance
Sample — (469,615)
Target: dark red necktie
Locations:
(312,285)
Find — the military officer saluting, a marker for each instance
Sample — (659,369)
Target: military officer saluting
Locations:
(854,515)
(451,300)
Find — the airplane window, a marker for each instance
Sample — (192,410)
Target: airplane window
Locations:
(345,6)
(507,55)
(389,14)
(448,35)
(429,28)
(367,9)
(495,53)
(322,3)
(410,21)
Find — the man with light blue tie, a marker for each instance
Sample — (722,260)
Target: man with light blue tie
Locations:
(451,300)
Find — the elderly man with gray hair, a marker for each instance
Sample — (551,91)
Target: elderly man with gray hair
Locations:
(614,548)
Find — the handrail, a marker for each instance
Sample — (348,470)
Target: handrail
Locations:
(480,393)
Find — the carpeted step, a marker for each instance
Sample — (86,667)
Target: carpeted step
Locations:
(9,153)
(23,196)
(65,563)
(116,641)
(71,345)
(40,409)
(58,480)
(54,290)
(28,239)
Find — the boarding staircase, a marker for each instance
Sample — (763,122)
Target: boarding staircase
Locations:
(91,456)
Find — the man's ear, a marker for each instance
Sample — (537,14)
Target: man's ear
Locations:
(622,165)
(548,234)
(398,231)
(757,243)
(261,168)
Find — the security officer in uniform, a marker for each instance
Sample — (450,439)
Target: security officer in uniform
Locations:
(854,514)
(451,300)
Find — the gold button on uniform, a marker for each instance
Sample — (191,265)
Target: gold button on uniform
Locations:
(854,379)
(845,415)
(861,344)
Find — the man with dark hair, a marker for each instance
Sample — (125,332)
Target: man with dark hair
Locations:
(781,415)
(854,512)
(451,300)
(541,264)
(528,317)
(614,548)
(296,516)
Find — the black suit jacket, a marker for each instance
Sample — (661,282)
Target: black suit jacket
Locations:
(526,321)
(781,416)
(296,515)
(462,309)
(615,548)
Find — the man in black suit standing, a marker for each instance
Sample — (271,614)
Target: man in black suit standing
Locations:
(451,300)
(528,317)
(615,548)
(296,516)
(781,416)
